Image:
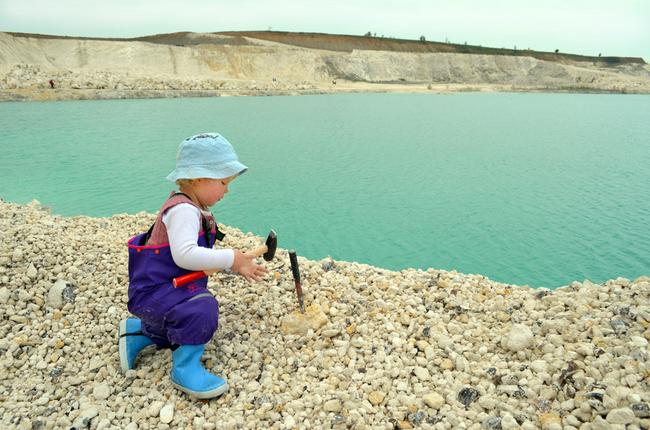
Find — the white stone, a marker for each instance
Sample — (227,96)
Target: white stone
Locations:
(600,424)
(539,366)
(96,362)
(519,338)
(487,402)
(42,401)
(101,392)
(422,373)
(4,295)
(572,420)
(167,413)
(55,296)
(86,414)
(331,332)
(32,273)
(289,422)
(332,406)
(508,389)
(433,400)
(24,296)
(430,353)
(300,380)
(508,422)
(104,424)
(155,407)
(17,255)
(620,416)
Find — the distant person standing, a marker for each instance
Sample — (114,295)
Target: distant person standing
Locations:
(51,83)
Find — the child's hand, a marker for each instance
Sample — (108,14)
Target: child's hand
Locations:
(245,265)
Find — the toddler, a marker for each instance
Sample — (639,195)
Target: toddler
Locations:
(180,241)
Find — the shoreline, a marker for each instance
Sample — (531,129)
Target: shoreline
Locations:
(198,64)
(377,348)
(63,94)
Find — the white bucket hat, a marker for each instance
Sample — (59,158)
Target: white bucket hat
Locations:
(207,155)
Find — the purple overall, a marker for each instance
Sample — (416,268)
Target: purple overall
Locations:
(170,316)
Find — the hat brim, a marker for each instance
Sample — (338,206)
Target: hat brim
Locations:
(221,171)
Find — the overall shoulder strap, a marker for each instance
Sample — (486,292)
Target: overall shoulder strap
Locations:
(157,231)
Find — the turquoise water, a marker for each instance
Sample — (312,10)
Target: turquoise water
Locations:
(537,189)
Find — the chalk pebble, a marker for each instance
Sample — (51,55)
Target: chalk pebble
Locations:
(410,349)
(167,414)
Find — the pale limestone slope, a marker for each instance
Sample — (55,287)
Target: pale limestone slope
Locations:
(75,63)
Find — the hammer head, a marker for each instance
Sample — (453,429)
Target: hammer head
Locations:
(271,246)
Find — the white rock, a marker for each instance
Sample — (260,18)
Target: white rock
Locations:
(508,389)
(519,338)
(24,296)
(155,407)
(85,415)
(167,413)
(430,353)
(55,296)
(508,422)
(32,273)
(66,360)
(42,401)
(433,400)
(422,373)
(332,406)
(4,295)
(487,402)
(639,341)
(633,398)
(620,416)
(289,422)
(539,366)
(17,255)
(330,332)
(600,424)
(584,349)
(104,424)
(101,391)
(96,362)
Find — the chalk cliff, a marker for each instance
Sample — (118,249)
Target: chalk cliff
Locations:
(214,64)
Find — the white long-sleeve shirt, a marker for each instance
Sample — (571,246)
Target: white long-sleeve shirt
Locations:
(183,223)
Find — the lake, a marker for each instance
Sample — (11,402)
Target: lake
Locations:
(536,189)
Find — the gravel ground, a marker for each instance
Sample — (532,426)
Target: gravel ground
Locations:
(376,349)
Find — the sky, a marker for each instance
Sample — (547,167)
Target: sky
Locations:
(586,27)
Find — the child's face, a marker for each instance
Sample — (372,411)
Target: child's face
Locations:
(210,191)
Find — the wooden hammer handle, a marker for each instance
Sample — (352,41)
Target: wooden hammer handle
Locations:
(195,276)
(258,252)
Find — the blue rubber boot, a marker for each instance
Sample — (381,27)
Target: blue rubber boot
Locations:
(189,375)
(131,342)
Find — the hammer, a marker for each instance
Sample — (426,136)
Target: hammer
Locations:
(267,251)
